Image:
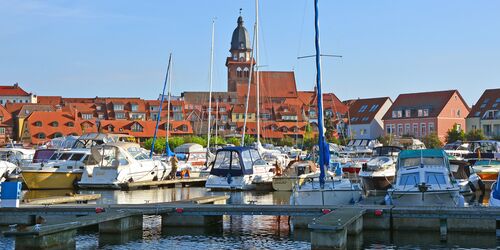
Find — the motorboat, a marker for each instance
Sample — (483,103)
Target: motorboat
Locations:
(423,178)
(17,156)
(5,169)
(379,172)
(487,169)
(336,191)
(274,158)
(292,175)
(239,168)
(61,171)
(468,180)
(457,149)
(192,157)
(114,164)
(495,194)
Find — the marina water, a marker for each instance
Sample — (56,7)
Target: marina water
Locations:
(242,232)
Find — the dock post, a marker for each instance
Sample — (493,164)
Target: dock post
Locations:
(329,239)
(59,240)
(179,220)
(121,225)
(443,229)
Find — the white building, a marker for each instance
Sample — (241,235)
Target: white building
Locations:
(365,117)
(485,115)
(15,94)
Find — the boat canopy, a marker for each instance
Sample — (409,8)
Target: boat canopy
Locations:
(236,161)
(434,157)
(189,148)
(117,154)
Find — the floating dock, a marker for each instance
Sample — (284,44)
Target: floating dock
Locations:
(192,182)
(330,226)
(76,198)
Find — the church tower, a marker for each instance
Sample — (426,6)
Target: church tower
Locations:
(239,63)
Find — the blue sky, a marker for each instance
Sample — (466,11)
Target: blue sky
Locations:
(120,48)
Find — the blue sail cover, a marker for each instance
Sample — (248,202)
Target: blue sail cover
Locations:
(168,152)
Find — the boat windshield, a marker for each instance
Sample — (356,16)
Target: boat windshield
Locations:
(197,156)
(410,179)
(486,162)
(411,162)
(435,178)
(65,156)
(247,159)
(227,160)
(77,157)
(54,157)
(137,153)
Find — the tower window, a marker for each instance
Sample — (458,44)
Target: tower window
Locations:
(246,72)
(239,73)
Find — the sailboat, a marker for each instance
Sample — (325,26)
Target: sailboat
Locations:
(322,191)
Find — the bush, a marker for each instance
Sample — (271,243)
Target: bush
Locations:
(286,141)
(386,139)
(432,141)
(475,135)
(234,140)
(454,135)
(175,141)
(159,145)
(217,140)
(249,139)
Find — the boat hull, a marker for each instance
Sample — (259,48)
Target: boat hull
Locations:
(376,182)
(284,183)
(450,198)
(37,179)
(232,183)
(326,197)
(488,176)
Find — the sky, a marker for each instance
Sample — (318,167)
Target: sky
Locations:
(120,48)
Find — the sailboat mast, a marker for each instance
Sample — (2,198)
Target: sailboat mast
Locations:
(210,89)
(257,68)
(216,118)
(168,107)
(248,90)
(158,118)
(321,135)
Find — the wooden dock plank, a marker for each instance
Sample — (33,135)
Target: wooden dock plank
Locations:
(337,219)
(63,199)
(140,184)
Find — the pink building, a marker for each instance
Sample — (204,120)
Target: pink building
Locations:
(420,114)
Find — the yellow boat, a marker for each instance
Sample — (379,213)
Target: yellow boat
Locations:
(51,178)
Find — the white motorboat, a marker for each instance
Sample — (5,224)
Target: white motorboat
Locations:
(192,157)
(239,168)
(117,163)
(379,172)
(336,191)
(18,156)
(423,179)
(6,168)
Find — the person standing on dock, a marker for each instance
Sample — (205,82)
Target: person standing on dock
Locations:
(173,161)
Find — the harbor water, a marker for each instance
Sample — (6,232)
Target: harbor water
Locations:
(243,232)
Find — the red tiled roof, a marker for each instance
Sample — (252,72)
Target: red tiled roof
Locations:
(24,109)
(47,118)
(50,100)
(368,113)
(6,116)
(148,127)
(435,101)
(490,98)
(13,90)
(273,84)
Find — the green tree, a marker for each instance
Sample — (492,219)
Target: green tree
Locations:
(217,140)
(175,141)
(286,141)
(234,140)
(386,139)
(196,139)
(159,145)
(432,141)
(454,134)
(475,135)
(249,139)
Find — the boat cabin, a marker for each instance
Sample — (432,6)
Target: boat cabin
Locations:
(236,161)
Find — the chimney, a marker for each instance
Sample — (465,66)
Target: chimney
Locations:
(16,85)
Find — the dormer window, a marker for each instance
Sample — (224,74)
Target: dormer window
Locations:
(70,124)
(38,124)
(134,107)
(118,106)
(363,108)
(55,124)
(136,127)
(87,116)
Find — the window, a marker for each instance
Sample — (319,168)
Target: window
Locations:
(410,179)
(408,113)
(483,105)
(373,108)
(394,114)
(41,136)
(136,127)
(239,72)
(486,100)
(435,178)
(2,131)
(426,112)
(362,131)
(223,117)
(87,116)
(111,128)
(407,129)
(136,116)
(478,113)
(118,106)
(98,107)
(415,129)
(38,124)
(246,72)
(120,115)
(56,135)
(177,108)
(222,109)
(363,108)
(364,119)
(400,129)
(458,113)
(420,113)
(100,116)
(423,130)
(76,157)
(134,107)
(55,124)
(178,117)
(431,127)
